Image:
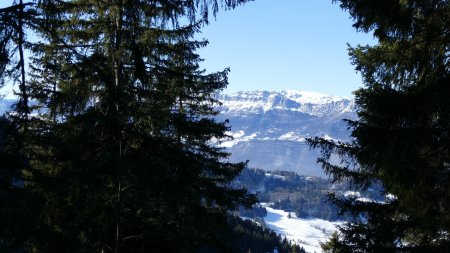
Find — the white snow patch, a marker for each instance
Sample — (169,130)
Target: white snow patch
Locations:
(357,196)
(304,232)
(352,194)
(288,136)
(291,136)
(238,134)
(328,138)
(228,144)
(275,176)
(350,107)
(309,97)
(367,200)
(249,137)
(238,137)
(390,196)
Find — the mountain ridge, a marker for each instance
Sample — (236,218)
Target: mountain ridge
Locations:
(312,103)
(270,127)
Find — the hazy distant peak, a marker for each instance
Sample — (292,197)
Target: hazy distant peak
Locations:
(299,96)
(270,128)
(311,97)
(313,103)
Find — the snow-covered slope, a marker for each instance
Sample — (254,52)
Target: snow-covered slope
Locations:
(307,233)
(269,128)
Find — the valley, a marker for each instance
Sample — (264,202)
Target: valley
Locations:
(297,207)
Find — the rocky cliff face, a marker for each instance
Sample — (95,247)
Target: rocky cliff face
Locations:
(269,128)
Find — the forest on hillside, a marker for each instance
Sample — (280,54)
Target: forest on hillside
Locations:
(307,197)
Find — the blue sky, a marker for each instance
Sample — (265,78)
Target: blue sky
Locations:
(285,44)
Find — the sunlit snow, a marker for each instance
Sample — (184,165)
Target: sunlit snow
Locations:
(257,102)
(309,97)
(291,136)
(352,194)
(275,176)
(237,137)
(304,232)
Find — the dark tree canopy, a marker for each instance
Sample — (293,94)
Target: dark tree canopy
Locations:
(117,154)
(401,138)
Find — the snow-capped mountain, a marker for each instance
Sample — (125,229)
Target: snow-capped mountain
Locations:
(269,128)
(312,103)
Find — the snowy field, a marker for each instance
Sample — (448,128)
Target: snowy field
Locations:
(304,232)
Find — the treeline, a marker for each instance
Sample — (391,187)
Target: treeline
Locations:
(256,212)
(307,197)
(249,236)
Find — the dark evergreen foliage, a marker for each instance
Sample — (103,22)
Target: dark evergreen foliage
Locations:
(307,197)
(401,139)
(248,236)
(255,212)
(117,155)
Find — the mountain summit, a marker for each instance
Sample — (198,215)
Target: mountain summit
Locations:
(269,128)
(312,103)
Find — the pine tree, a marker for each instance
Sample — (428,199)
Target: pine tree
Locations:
(16,201)
(120,153)
(401,139)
